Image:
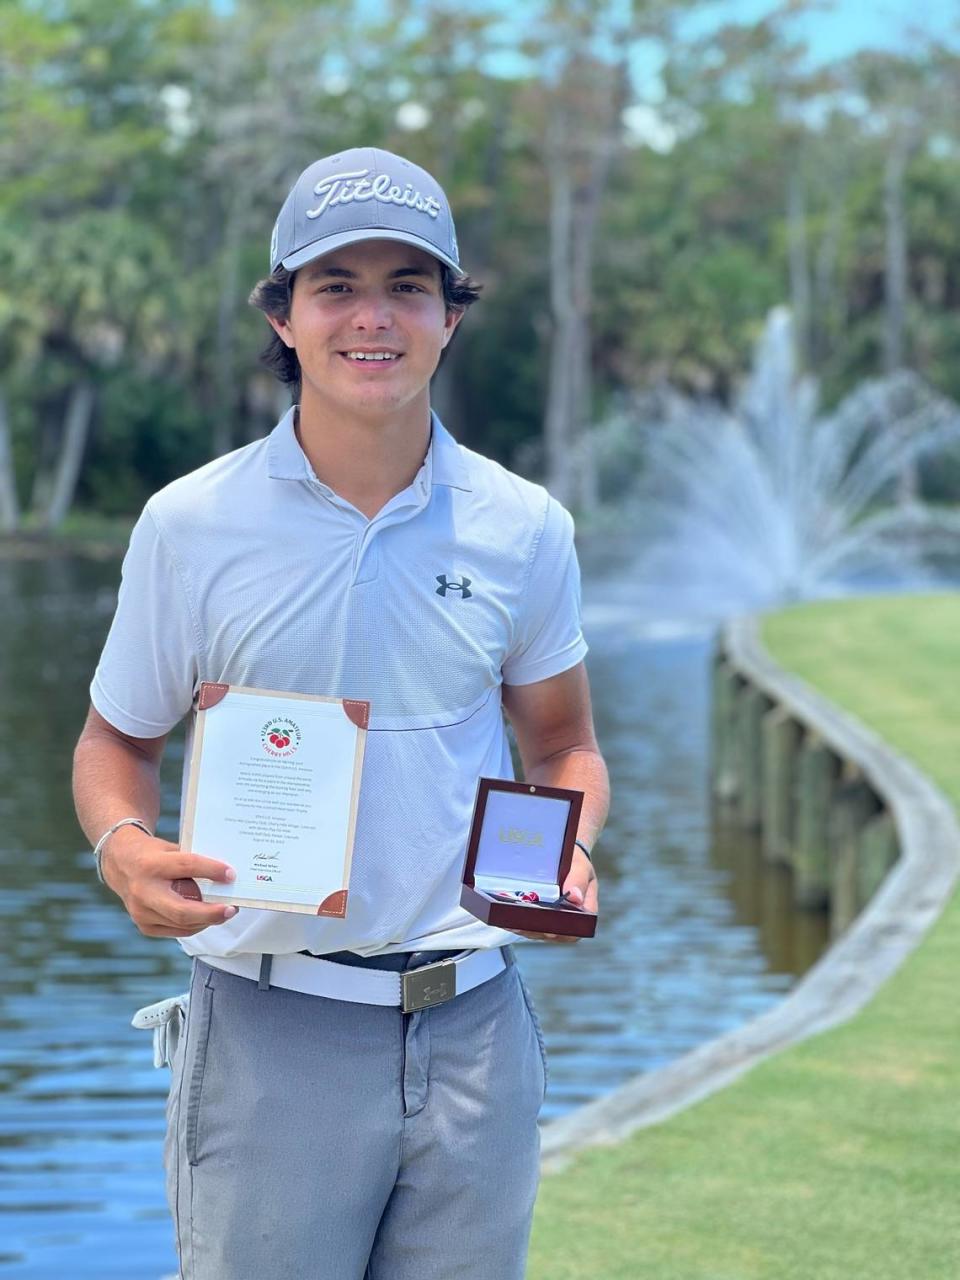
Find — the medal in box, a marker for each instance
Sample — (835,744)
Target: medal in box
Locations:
(518,855)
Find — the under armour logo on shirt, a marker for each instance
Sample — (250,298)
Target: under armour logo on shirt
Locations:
(462,586)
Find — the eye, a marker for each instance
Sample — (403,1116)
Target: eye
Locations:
(339,288)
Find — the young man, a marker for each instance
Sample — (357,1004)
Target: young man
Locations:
(315,1127)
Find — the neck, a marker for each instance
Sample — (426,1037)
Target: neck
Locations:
(365,460)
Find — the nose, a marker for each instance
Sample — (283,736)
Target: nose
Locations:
(372,312)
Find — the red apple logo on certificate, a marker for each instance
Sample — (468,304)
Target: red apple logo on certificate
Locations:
(280,737)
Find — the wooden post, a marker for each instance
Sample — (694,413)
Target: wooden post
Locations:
(817,767)
(879,848)
(781,736)
(816,812)
(725,769)
(853,806)
(752,705)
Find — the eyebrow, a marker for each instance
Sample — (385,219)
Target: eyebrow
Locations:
(341,273)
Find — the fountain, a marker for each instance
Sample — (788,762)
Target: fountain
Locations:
(768,503)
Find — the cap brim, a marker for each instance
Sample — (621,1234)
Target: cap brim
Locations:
(320,248)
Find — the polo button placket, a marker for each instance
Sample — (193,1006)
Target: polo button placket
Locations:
(404,506)
(366,561)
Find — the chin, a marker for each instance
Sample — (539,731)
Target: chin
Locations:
(374,404)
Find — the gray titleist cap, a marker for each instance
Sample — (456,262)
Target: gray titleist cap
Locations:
(363,194)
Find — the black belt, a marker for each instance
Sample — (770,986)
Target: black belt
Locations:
(394,962)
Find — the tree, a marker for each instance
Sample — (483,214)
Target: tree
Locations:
(905,105)
(79,266)
(582,48)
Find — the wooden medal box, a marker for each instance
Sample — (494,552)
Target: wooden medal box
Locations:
(521,842)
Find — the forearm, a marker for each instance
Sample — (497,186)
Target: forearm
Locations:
(113,780)
(580,769)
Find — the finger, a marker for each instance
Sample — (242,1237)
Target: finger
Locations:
(160,923)
(592,900)
(170,908)
(190,890)
(577,886)
(579,875)
(545,937)
(192,865)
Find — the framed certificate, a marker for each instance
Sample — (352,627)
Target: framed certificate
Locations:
(273,789)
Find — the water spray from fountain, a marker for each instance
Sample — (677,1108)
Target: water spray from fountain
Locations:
(769,503)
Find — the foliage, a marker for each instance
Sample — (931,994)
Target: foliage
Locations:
(146,145)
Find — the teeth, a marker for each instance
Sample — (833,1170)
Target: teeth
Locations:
(370,355)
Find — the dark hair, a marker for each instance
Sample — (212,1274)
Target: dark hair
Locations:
(273,296)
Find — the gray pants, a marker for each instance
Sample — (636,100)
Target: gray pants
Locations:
(317,1139)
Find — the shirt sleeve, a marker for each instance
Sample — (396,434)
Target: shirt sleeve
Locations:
(548,637)
(149,668)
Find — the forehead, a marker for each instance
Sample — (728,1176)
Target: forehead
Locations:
(371,257)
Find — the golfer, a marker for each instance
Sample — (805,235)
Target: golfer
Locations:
(319,1128)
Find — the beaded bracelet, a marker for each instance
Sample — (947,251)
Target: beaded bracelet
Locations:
(98,847)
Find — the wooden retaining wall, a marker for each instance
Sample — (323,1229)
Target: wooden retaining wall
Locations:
(865,831)
(815,810)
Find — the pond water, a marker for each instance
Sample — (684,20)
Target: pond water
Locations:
(696,937)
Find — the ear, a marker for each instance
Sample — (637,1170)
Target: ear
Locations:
(282,327)
(450,325)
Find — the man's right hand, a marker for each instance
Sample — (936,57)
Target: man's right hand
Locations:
(141,871)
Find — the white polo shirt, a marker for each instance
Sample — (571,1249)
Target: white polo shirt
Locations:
(250,571)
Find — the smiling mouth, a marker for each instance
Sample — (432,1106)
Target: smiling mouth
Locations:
(372,363)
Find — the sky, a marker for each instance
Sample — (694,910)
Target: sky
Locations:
(836,29)
(843,26)
(833,30)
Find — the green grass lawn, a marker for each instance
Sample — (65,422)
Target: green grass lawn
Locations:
(841,1157)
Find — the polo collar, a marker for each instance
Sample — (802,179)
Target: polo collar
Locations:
(449,462)
(444,464)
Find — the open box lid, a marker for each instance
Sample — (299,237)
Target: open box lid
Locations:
(522,835)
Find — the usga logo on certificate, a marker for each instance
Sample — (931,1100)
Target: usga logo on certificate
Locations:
(280,737)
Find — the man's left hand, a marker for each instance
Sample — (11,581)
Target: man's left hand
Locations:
(582,887)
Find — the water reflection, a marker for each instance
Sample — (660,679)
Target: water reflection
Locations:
(762,898)
(687,948)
